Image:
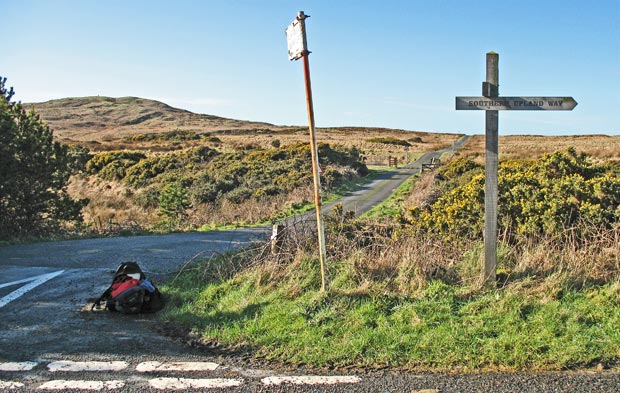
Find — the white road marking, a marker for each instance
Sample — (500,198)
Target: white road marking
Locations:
(62,384)
(18,366)
(147,367)
(8,284)
(311,380)
(87,366)
(34,282)
(8,385)
(188,383)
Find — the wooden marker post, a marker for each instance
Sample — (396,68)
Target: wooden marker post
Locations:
(491,102)
(298,48)
(491,89)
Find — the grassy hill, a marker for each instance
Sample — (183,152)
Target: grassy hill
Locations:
(105,123)
(105,118)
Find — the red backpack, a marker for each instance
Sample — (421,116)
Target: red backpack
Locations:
(131,292)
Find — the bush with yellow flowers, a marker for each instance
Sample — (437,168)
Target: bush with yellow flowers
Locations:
(558,192)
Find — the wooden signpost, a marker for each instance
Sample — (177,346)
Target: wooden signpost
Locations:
(491,103)
(297,49)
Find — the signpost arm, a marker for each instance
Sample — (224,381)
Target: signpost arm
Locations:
(315,158)
(491,89)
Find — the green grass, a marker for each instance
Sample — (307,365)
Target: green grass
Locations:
(392,207)
(440,328)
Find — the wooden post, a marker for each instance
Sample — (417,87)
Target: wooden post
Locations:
(491,103)
(490,88)
(315,158)
(277,237)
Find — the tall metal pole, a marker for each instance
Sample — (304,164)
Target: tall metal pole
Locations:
(491,89)
(315,158)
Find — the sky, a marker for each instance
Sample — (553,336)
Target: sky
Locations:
(391,63)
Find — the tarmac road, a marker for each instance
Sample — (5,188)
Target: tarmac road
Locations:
(44,288)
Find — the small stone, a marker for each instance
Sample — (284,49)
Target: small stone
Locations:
(600,367)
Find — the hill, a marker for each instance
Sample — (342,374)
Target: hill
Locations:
(105,118)
(105,123)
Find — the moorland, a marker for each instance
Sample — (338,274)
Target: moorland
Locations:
(404,288)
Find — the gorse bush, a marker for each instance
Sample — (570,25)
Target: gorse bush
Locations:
(207,176)
(390,141)
(176,135)
(539,197)
(99,161)
(260,173)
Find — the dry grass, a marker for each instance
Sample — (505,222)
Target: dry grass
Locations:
(251,211)
(376,261)
(601,147)
(103,123)
(107,119)
(424,192)
(374,153)
(112,205)
(578,260)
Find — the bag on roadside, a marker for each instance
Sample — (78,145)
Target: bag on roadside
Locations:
(130,292)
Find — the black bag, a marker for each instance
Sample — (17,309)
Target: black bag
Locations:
(130,269)
(130,292)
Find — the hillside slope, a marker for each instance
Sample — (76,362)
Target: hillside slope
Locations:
(105,118)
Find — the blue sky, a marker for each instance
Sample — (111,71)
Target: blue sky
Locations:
(396,64)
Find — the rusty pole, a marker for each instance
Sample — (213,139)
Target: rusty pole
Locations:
(315,157)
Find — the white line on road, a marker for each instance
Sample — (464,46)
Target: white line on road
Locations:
(62,384)
(8,284)
(311,380)
(18,366)
(147,367)
(188,383)
(8,385)
(34,282)
(87,366)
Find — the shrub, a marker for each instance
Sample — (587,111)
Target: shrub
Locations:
(34,171)
(101,160)
(389,141)
(174,200)
(147,169)
(543,197)
(204,190)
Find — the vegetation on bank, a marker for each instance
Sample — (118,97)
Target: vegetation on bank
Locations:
(190,188)
(406,294)
(537,197)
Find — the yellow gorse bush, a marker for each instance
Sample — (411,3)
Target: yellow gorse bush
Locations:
(536,197)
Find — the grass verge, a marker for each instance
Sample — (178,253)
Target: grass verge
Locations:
(392,206)
(275,311)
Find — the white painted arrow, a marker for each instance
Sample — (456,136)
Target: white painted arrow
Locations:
(33,283)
